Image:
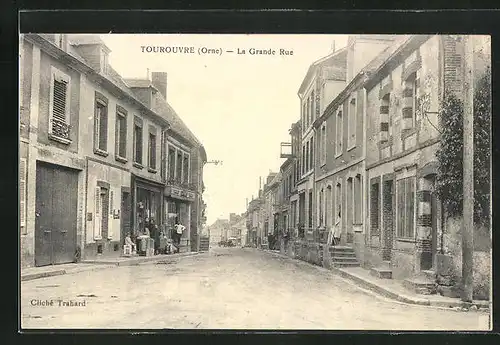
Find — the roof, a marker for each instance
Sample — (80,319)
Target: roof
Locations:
(161,106)
(336,58)
(84,39)
(138,82)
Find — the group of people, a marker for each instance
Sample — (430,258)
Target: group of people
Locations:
(151,230)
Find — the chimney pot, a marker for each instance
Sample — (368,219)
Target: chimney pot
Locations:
(159,81)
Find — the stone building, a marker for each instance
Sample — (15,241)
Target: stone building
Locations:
(408,234)
(340,162)
(93,151)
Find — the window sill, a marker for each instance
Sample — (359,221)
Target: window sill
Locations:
(152,170)
(138,165)
(101,152)
(408,240)
(59,139)
(121,159)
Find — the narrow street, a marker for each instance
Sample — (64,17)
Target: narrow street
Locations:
(230,288)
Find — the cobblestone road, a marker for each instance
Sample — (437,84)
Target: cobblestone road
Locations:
(226,288)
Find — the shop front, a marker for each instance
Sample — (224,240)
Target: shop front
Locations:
(177,210)
(147,210)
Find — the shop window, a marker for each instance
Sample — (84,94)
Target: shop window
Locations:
(121,134)
(59,106)
(405,193)
(101,125)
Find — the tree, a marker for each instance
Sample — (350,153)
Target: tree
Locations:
(449,182)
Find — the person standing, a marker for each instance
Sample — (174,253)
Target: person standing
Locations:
(179,229)
(337,230)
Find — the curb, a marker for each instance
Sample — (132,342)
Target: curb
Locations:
(99,265)
(33,276)
(387,292)
(139,261)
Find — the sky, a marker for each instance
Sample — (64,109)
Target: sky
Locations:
(240,106)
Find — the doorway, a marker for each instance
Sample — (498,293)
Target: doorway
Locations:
(56,214)
(430,245)
(388,214)
(125,215)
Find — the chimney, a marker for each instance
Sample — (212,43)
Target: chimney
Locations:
(159,80)
(333,46)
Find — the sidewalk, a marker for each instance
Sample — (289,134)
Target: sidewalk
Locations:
(31,273)
(394,289)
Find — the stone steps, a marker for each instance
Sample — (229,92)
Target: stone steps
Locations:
(420,285)
(383,271)
(343,256)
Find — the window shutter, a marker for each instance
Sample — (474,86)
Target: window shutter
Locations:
(22,192)
(123,137)
(59,100)
(110,222)
(97,218)
(103,128)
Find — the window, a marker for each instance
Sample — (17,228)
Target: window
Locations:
(304,112)
(374,208)
(152,151)
(101,124)
(186,168)
(350,201)
(138,142)
(311,154)
(303,159)
(310,215)
(22,195)
(338,202)
(410,94)
(121,134)
(171,163)
(405,191)
(313,113)
(59,106)
(351,128)
(385,122)
(358,189)
(178,174)
(308,115)
(307,157)
(339,132)
(323,144)
(320,207)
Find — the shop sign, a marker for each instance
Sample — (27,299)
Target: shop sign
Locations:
(181,194)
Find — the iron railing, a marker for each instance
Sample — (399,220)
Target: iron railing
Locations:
(60,129)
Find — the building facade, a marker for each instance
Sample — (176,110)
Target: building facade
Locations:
(93,150)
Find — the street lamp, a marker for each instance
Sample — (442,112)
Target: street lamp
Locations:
(215,162)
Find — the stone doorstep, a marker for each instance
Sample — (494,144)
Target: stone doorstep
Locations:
(344,259)
(381,272)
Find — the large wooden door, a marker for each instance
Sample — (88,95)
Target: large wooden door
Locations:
(56,213)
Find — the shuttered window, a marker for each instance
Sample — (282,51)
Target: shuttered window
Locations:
(22,195)
(59,105)
(186,168)
(374,208)
(121,134)
(97,218)
(138,143)
(100,124)
(351,129)
(405,190)
(340,137)
(171,163)
(152,151)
